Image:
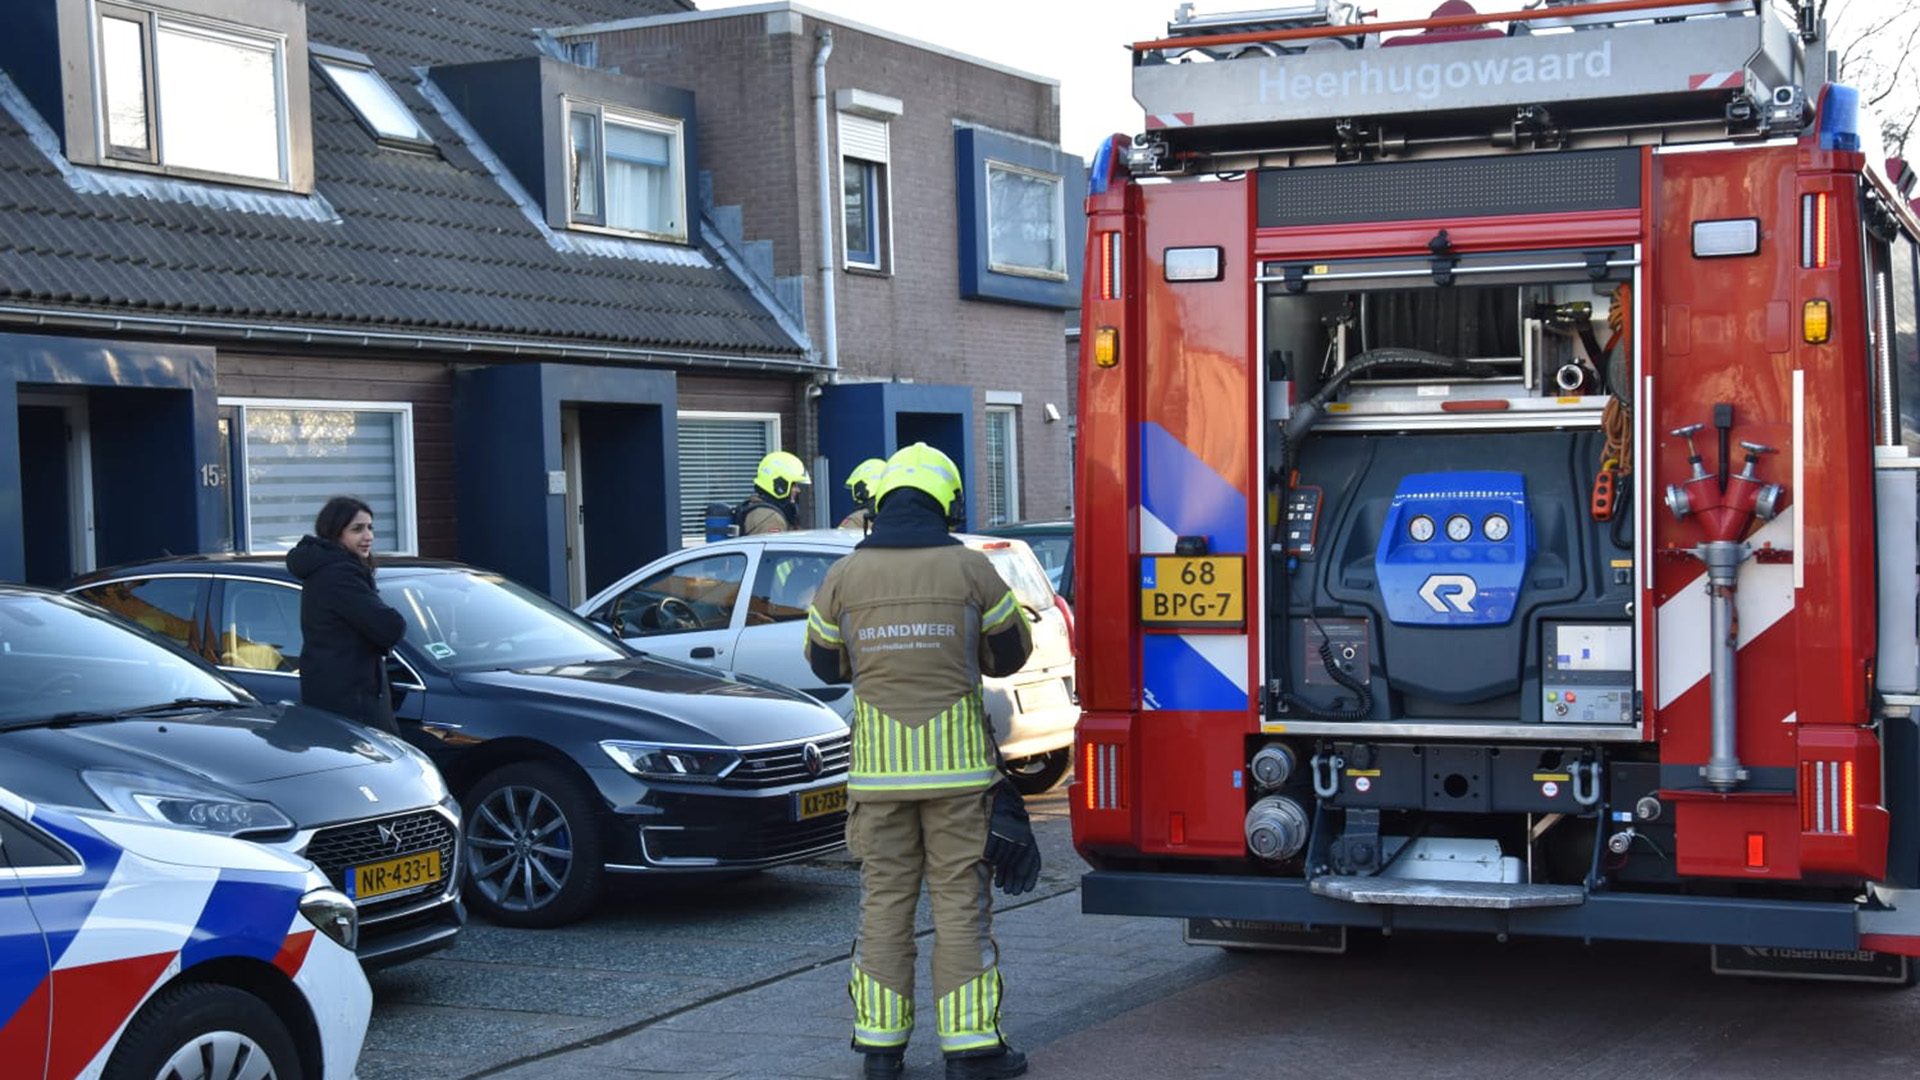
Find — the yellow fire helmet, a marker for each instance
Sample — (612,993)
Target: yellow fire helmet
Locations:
(924,468)
(779,471)
(861,480)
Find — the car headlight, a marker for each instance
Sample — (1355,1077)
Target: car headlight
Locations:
(178,802)
(334,915)
(696,764)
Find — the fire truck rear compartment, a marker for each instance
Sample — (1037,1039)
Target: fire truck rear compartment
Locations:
(1459,649)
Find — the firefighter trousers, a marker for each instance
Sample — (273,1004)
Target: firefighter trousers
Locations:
(900,844)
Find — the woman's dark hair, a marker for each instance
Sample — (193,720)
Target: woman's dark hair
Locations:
(333,518)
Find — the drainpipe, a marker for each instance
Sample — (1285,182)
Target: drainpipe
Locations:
(829,335)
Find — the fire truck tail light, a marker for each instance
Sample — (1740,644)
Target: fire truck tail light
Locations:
(1816,230)
(1106,346)
(1826,797)
(1109,266)
(1756,851)
(1105,776)
(1816,321)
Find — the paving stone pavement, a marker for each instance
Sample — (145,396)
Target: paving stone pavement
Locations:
(1063,971)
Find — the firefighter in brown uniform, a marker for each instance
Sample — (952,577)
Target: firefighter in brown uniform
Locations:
(913,618)
(771,507)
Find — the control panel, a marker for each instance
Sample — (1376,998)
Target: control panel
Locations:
(1347,637)
(1586,676)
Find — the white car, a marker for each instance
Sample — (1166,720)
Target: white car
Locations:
(741,605)
(135,949)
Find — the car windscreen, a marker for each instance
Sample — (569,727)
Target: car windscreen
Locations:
(59,657)
(468,620)
(1022,574)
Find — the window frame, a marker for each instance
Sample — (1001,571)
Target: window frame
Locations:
(878,215)
(289,144)
(675,130)
(1010,462)
(1059,220)
(864,139)
(405,497)
(696,509)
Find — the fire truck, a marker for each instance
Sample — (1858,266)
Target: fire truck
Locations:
(1497,487)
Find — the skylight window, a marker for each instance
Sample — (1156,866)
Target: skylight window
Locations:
(371,96)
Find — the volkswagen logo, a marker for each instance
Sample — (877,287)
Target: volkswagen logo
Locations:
(816,761)
(389,835)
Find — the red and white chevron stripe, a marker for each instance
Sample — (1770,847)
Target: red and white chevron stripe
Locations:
(1167,120)
(1718,80)
(1764,597)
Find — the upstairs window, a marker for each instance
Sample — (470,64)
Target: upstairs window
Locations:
(193,95)
(625,172)
(865,150)
(1026,222)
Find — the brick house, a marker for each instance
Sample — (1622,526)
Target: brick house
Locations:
(953,224)
(256,252)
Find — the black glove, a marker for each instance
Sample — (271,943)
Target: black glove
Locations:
(1011,848)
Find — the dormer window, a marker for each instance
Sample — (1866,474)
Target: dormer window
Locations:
(625,171)
(191,95)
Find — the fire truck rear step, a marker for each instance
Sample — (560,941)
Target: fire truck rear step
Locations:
(1499,896)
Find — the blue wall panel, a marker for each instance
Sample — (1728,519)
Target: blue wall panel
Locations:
(152,420)
(506,433)
(863,420)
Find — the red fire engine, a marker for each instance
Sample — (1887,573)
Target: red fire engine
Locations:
(1497,486)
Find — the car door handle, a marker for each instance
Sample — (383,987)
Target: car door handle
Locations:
(703,652)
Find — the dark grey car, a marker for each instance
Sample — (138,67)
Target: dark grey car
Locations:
(96,713)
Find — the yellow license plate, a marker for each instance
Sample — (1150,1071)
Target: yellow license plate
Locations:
(1192,590)
(822,801)
(369,881)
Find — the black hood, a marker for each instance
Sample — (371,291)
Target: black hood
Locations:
(909,518)
(316,767)
(312,554)
(653,698)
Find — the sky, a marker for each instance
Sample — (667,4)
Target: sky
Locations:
(1080,43)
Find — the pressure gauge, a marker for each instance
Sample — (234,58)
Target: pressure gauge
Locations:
(1420,528)
(1495,527)
(1459,528)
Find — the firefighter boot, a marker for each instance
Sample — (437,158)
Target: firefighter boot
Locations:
(995,1063)
(885,1065)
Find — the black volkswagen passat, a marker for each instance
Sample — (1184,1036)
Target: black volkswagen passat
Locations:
(95,714)
(575,756)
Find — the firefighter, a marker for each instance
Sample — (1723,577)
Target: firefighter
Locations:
(860,483)
(771,509)
(913,618)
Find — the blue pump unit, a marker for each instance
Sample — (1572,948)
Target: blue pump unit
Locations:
(1455,548)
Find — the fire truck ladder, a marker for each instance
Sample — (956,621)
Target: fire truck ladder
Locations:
(1312,84)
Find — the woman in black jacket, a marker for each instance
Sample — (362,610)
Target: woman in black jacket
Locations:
(346,626)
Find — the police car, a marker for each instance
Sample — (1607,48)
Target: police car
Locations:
(130,949)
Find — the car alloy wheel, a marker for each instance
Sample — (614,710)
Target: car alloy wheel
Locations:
(532,853)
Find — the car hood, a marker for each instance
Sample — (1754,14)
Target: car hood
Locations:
(654,698)
(316,767)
